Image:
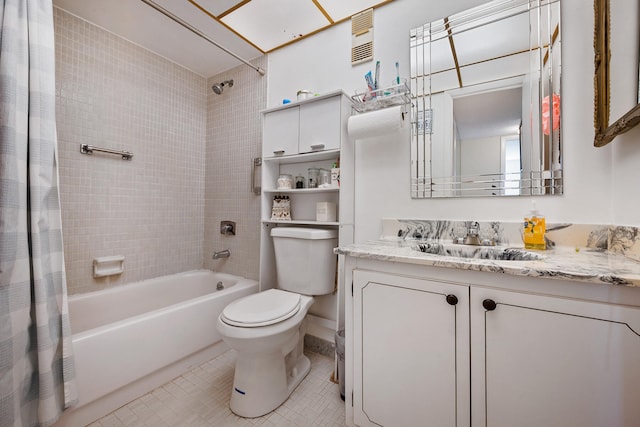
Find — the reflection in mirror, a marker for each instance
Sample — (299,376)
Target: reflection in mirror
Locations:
(485,87)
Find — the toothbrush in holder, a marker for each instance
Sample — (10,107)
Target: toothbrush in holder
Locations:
(397,73)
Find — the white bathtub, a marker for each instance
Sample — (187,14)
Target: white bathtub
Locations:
(132,338)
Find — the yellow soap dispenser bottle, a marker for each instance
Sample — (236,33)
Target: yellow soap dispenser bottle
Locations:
(534,229)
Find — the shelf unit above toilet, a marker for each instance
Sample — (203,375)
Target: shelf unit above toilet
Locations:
(296,137)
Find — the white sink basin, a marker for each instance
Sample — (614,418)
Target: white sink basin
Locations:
(478,252)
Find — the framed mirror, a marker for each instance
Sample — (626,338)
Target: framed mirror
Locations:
(485,87)
(616,46)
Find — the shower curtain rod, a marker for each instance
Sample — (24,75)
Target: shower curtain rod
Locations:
(194,30)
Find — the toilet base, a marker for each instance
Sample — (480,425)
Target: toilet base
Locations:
(261,384)
(264,380)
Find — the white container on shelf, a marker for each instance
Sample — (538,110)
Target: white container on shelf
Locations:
(285,182)
(325,212)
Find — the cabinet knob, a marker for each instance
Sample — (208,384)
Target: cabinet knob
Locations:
(489,304)
(278,152)
(452,299)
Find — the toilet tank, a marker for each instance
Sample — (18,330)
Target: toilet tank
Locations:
(305,262)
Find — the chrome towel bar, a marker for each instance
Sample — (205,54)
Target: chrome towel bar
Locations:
(89,149)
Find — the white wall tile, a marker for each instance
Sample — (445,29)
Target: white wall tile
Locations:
(114,94)
(234,138)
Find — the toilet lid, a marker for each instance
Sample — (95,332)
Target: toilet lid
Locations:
(261,309)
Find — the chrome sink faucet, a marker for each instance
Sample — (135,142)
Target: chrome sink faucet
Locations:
(472,237)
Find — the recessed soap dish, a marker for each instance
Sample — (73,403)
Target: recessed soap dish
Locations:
(108,266)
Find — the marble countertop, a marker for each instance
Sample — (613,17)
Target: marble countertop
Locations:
(567,263)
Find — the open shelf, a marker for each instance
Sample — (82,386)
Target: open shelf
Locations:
(303,190)
(299,222)
(314,156)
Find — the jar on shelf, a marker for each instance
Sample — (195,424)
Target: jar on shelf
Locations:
(313,177)
(285,182)
(299,181)
(324,178)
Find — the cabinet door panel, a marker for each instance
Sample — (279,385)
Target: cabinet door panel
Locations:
(554,362)
(320,126)
(407,370)
(280,132)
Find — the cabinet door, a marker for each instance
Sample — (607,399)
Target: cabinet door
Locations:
(411,352)
(320,126)
(546,361)
(280,132)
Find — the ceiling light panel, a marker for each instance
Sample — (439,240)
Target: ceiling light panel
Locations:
(269,25)
(341,9)
(218,7)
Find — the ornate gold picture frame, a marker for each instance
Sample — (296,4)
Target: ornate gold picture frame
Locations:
(605,133)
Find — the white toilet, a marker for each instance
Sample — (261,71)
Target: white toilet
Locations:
(267,329)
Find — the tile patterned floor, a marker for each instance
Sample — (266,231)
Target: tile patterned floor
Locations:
(201,398)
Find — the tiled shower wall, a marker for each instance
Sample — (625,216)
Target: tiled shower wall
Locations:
(115,94)
(234,138)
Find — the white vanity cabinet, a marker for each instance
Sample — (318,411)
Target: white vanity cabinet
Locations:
(512,351)
(303,127)
(411,351)
(541,360)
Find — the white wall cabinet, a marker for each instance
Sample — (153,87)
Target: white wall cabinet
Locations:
(320,125)
(296,137)
(304,127)
(280,132)
(498,357)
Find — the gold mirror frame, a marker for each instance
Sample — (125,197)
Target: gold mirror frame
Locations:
(604,133)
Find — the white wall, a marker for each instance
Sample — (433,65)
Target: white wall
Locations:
(322,63)
(625,148)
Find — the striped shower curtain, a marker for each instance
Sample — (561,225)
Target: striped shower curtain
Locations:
(37,378)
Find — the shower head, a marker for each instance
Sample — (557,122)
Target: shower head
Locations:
(219,87)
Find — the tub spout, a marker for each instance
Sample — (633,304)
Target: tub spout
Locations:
(222,254)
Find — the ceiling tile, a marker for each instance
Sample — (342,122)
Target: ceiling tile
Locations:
(340,9)
(268,26)
(218,7)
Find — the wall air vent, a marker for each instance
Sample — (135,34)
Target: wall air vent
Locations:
(362,37)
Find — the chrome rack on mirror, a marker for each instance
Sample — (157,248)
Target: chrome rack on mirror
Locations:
(382,98)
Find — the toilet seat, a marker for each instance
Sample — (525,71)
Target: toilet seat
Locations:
(261,309)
